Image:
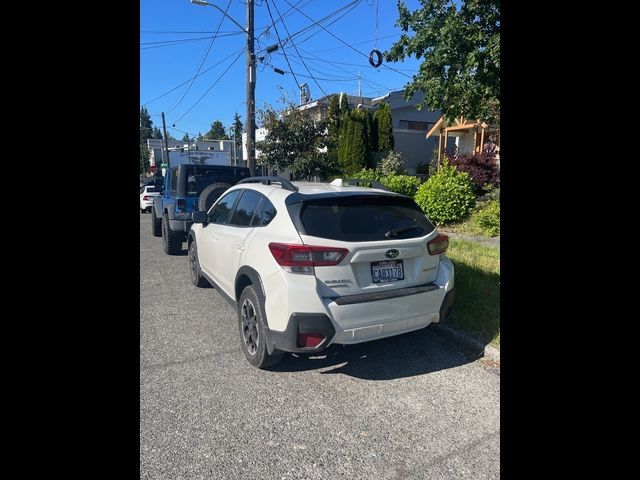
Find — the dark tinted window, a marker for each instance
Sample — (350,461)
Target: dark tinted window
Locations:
(363,218)
(199,177)
(220,212)
(265,213)
(152,190)
(173,185)
(245,209)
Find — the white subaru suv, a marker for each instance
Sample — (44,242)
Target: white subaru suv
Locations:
(308,265)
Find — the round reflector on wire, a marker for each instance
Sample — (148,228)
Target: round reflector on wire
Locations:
(378,58)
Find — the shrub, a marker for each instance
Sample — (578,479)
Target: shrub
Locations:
(447,196)
(482,168)
(392,164)
(422,168)
(366,174)
(487,219)
(403,184)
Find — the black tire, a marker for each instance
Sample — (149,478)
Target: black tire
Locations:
(143,210)
(210,194)
(171,241)
(156,224)
(252,331)
(194,267)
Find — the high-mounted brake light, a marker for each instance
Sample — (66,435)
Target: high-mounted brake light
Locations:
(302,258)
(438,245)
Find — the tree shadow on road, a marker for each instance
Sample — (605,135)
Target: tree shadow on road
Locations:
(407,355)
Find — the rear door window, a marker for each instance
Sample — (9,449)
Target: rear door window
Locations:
(219,213)
(265,213)
(245,209)
(362,218)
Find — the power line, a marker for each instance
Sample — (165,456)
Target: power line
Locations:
(186,81)
(352,7)
(177,41)
(203,60)
(209,89)
(187,31)
(286,14)
(350,46)
(296,48)
(317,22)
(282,45)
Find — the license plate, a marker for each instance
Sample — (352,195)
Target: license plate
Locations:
(387,271)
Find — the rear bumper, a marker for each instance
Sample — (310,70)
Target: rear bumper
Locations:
(362,318)
(363,322)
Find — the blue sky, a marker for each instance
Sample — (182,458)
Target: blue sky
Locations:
(175,36)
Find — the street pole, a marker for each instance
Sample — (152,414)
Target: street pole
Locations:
(235,158)
(251,91)
(251,79)
(166,144)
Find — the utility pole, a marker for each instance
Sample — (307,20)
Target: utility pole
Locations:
(251,92)
(359,86)
(251,78)
(166,144)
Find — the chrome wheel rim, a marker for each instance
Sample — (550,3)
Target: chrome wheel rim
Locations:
(249,325)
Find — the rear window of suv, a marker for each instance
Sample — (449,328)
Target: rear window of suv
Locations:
(362,218)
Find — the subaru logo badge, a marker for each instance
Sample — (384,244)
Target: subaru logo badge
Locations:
(393,253)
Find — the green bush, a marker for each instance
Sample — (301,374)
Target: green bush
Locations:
(392,164)
(447,196)
(366,174)
(487,219)
(403,184)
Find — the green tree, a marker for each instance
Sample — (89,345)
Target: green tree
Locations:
(353,148)
(333,129)
(199,138)
(217,132)
(144,159)
(295,140)
(383,128)
(236,129)
(185,138)
(156,133)
(460,44)
(146,126)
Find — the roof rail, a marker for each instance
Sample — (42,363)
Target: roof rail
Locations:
(374,184)
(284,183)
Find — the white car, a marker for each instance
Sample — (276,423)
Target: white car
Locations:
(147,193)
(308,265)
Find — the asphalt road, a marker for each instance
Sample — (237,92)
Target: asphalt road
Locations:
(410,406)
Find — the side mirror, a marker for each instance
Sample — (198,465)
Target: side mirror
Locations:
(200,217)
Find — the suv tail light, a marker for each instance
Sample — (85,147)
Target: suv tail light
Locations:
(438,245)
(302,258)
(146,197)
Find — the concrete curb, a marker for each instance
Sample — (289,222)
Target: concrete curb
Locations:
(466,341)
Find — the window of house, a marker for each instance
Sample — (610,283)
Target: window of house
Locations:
(413,125)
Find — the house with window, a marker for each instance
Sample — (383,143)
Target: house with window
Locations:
(409,124)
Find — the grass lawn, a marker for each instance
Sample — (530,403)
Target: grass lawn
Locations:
(477,281)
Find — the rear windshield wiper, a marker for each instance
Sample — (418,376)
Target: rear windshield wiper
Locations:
(396,231)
